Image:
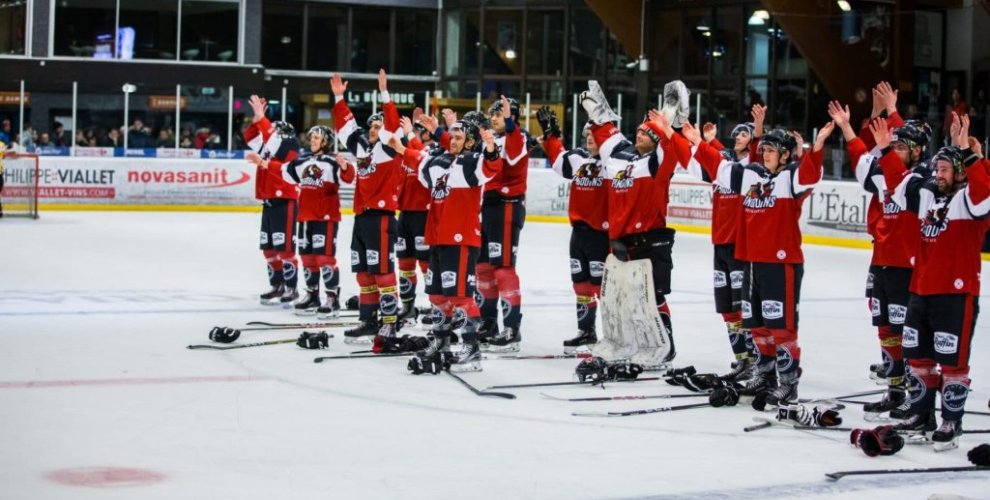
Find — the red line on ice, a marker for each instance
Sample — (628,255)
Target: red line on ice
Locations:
(40,384)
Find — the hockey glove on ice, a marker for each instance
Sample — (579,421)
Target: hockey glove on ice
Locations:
(224,335)
(313,340)
(819,416)
(980,455)
(724,396)
(883,440)
(432,365)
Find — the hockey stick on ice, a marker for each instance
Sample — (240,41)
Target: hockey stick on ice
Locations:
(624,398)
(298,326)
(241,346)
(551,384)
(662,409)
(362,355)
(835,476)
(289,325)
(937,409)
(477,391)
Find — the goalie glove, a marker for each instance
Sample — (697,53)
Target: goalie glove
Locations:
(313,340)
(224,335)
(548,122)
(594,102)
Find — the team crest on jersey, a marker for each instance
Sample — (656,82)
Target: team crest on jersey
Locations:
(889,207)
(589,175)
(936,220)
(312,175)
(365,167)
(760,195)
(946,343)
(441,188)
(624,179)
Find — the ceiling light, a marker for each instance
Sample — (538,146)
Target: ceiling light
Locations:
(844,5)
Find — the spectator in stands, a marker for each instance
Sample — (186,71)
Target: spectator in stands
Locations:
(81,139)
(58,136)
(186,142)
(978,115)
(28,137)
(113,139)
(5,132)
(213,142)
(956,105)
(165,138)
(201,135)
(44,141)
(137,136)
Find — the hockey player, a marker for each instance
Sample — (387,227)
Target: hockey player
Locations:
(588,213)
(769,241)
(319,176)
(376,197)
(503,213)
(638,176)
(455,180)
(274,144)
(942,309)
(895,243)
(728,271)
(410,244)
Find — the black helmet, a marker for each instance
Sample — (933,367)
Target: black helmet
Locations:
(780,140)
(951,154)
(469,128)
(324,132)
(377,117)
(284,129)
(913,133)
(478,118)
(747,127)
(496,107)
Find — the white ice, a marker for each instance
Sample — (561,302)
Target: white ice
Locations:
(93,301)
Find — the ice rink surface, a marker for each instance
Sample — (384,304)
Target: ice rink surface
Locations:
(100,399)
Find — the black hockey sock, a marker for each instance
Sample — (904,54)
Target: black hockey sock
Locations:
(312,277)
(331,278)
(737,339)
(586,314)
(489,307)
(274,276)
(511,315)
(289,275)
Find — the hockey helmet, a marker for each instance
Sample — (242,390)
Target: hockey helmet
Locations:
(747,127)
(377,117)
(913,133)
(284,129)
(470,130)
(951,154)
(478,118)
(324,132)
(496,107)
(779,139)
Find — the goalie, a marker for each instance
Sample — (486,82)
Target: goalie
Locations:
(640,265)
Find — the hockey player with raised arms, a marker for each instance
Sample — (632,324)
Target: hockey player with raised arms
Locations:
(588,214)
(952,207)
(638,176)
(319,176)
(273,144)
(376,197)
(414,201)
(503,213)
(769,241)
(727,269)
(895,243)
(455,179)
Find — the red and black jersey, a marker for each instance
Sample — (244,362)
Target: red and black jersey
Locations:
(414,196)
(894,230)
(725,203)
(379,168)
(455,184)
(319,178)
(589,191)
(511,181)
(275,150)
(768,228)
(952,226)
(638,184)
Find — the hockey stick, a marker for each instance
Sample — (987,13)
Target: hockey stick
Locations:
(662,409)
(286,325)
(767,422)
(624,398)
(477,391)
(298,326)
(537,356)
(362,355)
(241,346)
(835,476)
(937,409)
(551,384)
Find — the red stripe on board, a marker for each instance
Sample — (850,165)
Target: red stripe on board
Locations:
(41,384)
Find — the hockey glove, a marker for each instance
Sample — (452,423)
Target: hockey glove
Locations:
(701,382)
(352,303)
(624,371)
(724,396)
(412,343)
(548,122)
(687,370)
(224,335)
(818,416)
(432,365)
(313,340)
(980,455)
(883,440)
(760,400)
